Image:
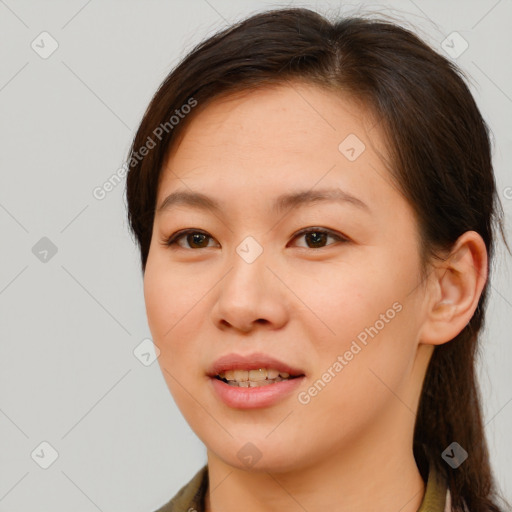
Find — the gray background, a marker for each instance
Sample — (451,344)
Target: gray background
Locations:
(71,321)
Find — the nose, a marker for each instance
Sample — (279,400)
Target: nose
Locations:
(250,296)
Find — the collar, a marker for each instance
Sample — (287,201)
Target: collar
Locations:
(192,495)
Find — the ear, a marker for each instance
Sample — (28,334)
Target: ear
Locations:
(454,290)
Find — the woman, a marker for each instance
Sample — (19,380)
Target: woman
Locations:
(314,204)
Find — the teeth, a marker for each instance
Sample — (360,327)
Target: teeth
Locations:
(272,374)
(261,376)
(254,384)
(257,375)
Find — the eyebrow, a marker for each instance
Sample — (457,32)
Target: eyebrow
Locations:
(282,202)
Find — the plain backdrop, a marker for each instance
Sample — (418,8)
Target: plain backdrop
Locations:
(77,394)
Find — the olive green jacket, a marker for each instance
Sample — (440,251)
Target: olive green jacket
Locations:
(190,498)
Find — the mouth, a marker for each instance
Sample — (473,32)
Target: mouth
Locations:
(257,390)
(252,370)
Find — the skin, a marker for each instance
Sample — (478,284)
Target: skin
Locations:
(350,447)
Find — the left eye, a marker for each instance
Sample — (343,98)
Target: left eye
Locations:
(196,239)
(317,236)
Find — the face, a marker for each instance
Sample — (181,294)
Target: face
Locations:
(328,286)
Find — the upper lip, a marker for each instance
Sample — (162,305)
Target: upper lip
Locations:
(250,362)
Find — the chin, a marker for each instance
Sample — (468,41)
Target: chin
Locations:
(249,455)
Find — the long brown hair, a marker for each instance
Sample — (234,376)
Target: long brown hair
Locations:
(440,159)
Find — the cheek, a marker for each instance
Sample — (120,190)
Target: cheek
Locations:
(166,307)
(363,315)
(342,300)
(175,315)
(170,299)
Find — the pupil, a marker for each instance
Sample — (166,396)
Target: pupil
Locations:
(317,238)
(197,238)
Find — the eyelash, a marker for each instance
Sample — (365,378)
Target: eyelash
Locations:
(174,238)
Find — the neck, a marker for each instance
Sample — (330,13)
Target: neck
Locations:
(351,479)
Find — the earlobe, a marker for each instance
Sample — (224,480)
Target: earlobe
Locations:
(457,285)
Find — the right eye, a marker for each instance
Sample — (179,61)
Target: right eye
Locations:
(193,237)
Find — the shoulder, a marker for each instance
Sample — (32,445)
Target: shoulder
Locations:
(190,498)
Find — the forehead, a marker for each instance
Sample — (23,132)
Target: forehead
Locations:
(292,110)
(273,138)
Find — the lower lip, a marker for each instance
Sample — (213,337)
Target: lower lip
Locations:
(253,398)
